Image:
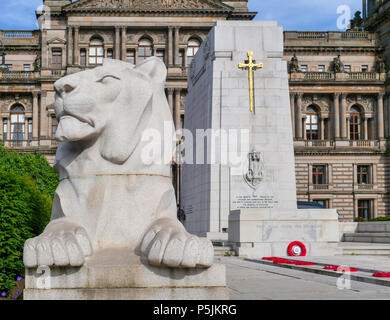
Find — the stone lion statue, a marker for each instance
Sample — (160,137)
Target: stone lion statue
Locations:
(108,198)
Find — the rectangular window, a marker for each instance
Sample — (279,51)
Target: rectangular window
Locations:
(83,57)
(323,202)
(364,209)
(130,57)
(364,68)
(57,59)
(319,175)
(321,68)
(364,174)
(5,129)
(26,67)
(304,68)
(9,66)
(30,125)
(110,53)
(54,125)
(161,55)
(347,68)
(181,58)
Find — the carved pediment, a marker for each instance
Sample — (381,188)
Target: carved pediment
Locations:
(149,5)
(56,41)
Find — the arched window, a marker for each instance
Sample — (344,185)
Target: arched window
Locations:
(355,123)
(18,127)
(311,123)
(193,47)
(144,49)
(96,52)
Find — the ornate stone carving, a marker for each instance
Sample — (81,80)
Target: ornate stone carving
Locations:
(338,65)
(294,64)
(380,65)
(148,4)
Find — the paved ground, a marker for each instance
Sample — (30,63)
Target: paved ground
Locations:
(253,281)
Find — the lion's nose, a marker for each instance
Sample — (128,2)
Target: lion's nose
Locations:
(65,86)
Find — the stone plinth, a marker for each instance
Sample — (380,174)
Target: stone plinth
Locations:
(116,275)
(256,233)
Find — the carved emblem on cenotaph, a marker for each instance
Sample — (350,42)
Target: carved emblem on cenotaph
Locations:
(255,174)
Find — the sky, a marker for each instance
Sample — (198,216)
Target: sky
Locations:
(304,15)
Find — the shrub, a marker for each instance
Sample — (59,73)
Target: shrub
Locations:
(24,213)
(34,166)
(381,219)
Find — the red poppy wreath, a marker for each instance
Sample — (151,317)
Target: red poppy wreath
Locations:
(296,249)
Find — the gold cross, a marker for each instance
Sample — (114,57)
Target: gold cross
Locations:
(251,66)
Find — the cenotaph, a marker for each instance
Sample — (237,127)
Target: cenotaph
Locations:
(253,207)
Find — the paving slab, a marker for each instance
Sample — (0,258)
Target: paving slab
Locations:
(254,281)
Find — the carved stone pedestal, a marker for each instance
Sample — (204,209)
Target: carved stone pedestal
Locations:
(116,275)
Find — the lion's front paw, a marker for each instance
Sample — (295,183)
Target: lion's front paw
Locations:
(65,246)
(168,244)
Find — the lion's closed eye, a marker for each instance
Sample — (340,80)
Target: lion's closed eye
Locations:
(107,78)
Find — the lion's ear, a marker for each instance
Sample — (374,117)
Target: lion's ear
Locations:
(154,68)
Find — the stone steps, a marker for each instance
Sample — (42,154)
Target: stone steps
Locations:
(369,237)
(364,248)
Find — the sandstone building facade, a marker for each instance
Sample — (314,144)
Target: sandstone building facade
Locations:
(339,88)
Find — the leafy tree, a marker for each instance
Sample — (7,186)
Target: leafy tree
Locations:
(357,22)
(24,213)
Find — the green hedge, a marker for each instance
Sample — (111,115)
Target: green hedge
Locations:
(30,165)
(27,186)
(381,219)
(24,213)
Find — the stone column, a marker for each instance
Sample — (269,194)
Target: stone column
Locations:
(9,138)
(177,62)
(35,118)
(45,51)
(117,41)
(365,128)
(388,114)
(381,133)
(177,108)
(170,46)
(336,115)
(170,99)
(298,113)
(76,46)
(343,123)
(70,45)
(292,105)
(364,9)
(124,43)
(322,128)
(43,120)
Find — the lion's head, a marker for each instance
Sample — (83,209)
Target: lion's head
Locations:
(110,105)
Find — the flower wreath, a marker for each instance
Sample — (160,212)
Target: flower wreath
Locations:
(293,251)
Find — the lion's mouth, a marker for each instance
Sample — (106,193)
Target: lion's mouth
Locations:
(73,116)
